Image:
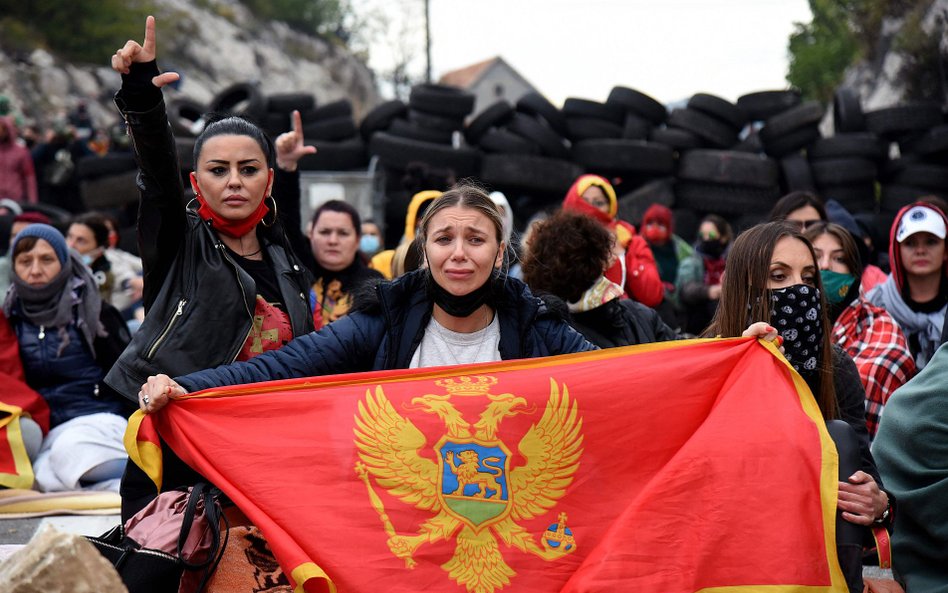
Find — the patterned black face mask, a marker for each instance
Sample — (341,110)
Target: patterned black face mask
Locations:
(796,313)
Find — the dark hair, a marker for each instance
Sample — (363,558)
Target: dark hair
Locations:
(97,224)
(846,241)
(465,195)
(235,125)
(23,245)
(567,252)
(746,298)
(723,226)
(343,208)
(794,201)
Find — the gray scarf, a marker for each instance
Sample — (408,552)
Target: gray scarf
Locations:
(51,305)
(927,326)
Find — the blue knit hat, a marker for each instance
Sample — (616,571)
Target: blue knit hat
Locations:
(48,234)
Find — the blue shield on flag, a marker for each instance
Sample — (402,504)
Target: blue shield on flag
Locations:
(473,480)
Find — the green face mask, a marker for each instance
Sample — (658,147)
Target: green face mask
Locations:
(836,285)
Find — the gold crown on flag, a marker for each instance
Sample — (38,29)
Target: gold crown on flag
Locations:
(465,385)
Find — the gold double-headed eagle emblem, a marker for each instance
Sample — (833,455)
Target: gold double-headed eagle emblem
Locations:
(470,487)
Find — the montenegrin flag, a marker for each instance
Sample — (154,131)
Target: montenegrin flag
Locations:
(668,468)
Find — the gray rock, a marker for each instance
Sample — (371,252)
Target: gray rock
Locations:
(55,562)
(212,45)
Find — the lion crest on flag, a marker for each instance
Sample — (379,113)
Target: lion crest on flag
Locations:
(471,488)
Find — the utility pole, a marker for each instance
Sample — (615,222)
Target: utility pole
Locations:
(427,41)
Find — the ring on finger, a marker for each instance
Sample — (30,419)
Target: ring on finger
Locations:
(145,399)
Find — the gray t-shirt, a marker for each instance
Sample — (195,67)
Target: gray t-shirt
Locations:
(441,346)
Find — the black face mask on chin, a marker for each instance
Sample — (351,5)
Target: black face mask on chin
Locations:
(463,305)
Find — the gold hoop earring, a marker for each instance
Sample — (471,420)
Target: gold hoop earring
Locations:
(270,224)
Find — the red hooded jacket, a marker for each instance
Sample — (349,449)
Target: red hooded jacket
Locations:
(17,177)
(640,280)
(895,254)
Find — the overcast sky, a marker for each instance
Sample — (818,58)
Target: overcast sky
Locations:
(669,49)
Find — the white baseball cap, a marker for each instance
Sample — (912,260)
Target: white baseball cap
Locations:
(920,219)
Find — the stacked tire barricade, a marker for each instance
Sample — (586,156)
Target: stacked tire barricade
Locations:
(709,156)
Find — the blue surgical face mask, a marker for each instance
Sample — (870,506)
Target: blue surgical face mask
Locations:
(369,244)
(87,259)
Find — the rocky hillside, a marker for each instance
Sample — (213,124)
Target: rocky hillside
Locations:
(910,61)
(212,45)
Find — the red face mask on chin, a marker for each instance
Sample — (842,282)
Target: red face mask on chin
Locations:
(231,228)
(656,234)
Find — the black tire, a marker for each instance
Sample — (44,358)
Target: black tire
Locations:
(584,108)
(502,141)
(639,103)
(335,129)
(435,122)
(895,197)
(242,98)
(112,163)
(796,174)
(185,150)
(184,114)
(335,156)
(848,171)
(686,222)
(675,138)
(632,206)
(792,142)
(762,105)
(931,145)
(529,173)
(635,156)
(847,112)
(725,199)
(334,110)
(860,197)
(713,132)
(804,115)
(895,122)
(922,175)
(494,116)
(751,143)
(720,109)
(110,191)
(381,117)
(588,128)
(290,102)
(275,124)
(636,127)
(864,145)
(398,153)
(728,167)
(407,129)
(537,105)
(440,99)
(549,141)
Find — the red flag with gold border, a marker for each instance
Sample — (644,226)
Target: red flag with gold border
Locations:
(674,468)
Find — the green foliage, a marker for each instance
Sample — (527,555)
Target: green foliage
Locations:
(79,30)
(314,17)
(821,50)
(843,32)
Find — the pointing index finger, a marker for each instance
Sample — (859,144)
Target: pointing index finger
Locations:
(149,44)
(297,123)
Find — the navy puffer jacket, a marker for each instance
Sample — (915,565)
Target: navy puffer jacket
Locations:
(384,334)
(70,381)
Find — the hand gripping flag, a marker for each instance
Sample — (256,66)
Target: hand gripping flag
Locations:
(667,468)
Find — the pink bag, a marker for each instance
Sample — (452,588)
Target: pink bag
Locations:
(173,543)
(182,523)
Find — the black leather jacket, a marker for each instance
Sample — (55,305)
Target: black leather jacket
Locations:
(199,303)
